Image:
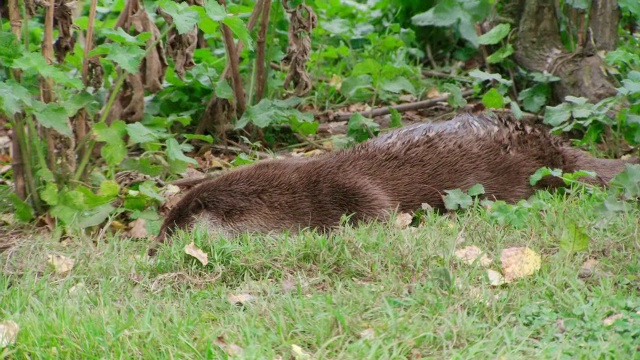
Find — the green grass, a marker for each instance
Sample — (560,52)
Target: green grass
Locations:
(404,284)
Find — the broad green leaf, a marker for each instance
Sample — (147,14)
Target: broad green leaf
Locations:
(534,98)
(50,194)
(457,199)
(109,188)
(573,238)
(149,189)
(455,99)
(351,84)
(224,90)
(398,84)
(184,17)
(542,172)
(494,35)
(21,209)
(476,190)
(128,57)
(214,10)
(81,100)
(493,99)
(206,138)
(120,36)
(73,199)
(13,97)
(37,63)
(500,54)
(368,66)
(579,4)
(94,216)
(52,116)
(336,26)
(515,109)
(557,115)
(628,180)
(361,128)
(483,76)
(288,102)
(396,118)
(239,29)
(174,152)
(445,13)
(115,150)
(10,49)
(139,133)
(143,165)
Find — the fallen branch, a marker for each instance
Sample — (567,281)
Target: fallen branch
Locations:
(400,108)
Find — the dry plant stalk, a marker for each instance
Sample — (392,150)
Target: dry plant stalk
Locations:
(261,77)
(180,47)
(303,21)
(129,105)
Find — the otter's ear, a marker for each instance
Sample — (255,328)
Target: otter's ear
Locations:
(196,206)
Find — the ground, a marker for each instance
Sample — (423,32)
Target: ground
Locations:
(371,292)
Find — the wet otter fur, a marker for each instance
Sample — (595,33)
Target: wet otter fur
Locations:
(400,170)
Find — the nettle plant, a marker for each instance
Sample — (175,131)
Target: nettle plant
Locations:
(63,177)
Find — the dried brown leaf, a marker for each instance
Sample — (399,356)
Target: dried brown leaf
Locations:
(138,229)
(230,348)
(368,334)
(611,319)
(470,254)
(298,353)
(194,251)
(519,262)
(61,264)
(240,299)
(403,220)
(588,269)
(8,333)
(495,278)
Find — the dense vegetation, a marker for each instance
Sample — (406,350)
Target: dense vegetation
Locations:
(103,104)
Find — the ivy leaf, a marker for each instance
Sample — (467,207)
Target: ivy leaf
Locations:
(496,34)
(174,152)
(457,199)
(52,116)
(238,27)
(493,99)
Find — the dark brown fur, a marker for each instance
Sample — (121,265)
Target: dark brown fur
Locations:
(399,170)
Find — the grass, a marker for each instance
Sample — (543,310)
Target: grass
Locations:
(371,292)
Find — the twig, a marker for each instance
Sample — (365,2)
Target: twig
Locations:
(441,75)
(232,58)
(400,108)
(253,19)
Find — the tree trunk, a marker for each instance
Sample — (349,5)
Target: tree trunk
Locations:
(539,48)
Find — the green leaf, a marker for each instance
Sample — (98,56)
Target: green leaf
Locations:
(542,172)
(21,209)
(396,118)
(457,199)
(174,152)
(120,36)
(139,133)
(184,17)
(483,76)
(261,114)
(214,10)
(109,188)
(128,57)
(79,101)
(628,180)
(205,138)
(149,189)
(578,4)
(368,66)
(303,124)
(238,27)
(351,84)
(10,49)
(13,97)
(573,238)
(534,98)
(500,54)
(445,13)
(515,109)
(50,194)
(361,128)
(143,165)
(557,115)
(496,34)
(94,216)
(398,84)
(336,26)
(115,149)
(493,99)
(36,62)
(476,190)
(455,99)
(52,116)
(224,90)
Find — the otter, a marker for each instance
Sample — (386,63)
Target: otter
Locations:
(397,171)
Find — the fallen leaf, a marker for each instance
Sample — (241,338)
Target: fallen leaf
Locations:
(4,169)
(433,93)
(518,262)
(495,278)
(588,269)
(367,334)
(230,349)
(138,229)
(403,220)
(61,264)
(407,98)
(192,250)
(77,288)
(118,226)
(298,353)
(8,333)
(470,254)
(170,190)
(240,299)
(335,81)
(314,152)
(611,319)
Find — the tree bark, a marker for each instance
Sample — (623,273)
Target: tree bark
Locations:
(539,48)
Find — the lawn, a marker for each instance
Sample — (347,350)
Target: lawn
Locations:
(370,292)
